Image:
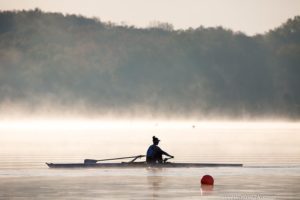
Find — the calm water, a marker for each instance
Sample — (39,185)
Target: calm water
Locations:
(270,153)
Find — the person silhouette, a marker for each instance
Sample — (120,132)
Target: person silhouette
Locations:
(154,153)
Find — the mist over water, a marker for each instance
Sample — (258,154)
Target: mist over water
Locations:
(190,141)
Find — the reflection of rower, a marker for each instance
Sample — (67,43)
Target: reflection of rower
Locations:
(154,153)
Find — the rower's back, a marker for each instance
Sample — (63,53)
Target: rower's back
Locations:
(154,153)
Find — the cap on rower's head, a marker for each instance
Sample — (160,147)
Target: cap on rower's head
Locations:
(155,139)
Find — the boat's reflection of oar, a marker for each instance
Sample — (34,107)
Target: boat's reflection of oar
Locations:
(91,161)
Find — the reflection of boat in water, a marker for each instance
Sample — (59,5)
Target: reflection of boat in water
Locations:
(89,163)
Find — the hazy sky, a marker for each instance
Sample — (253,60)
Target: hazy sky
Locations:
(249,16)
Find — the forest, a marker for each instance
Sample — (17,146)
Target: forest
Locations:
(51,62)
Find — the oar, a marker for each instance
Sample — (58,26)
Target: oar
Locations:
(91,161)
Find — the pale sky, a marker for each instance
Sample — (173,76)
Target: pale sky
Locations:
(248,16)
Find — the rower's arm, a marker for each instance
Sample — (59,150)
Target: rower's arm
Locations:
(165,153)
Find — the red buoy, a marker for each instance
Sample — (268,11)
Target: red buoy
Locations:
(207,180)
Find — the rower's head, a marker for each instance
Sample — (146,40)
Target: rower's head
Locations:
(155,140)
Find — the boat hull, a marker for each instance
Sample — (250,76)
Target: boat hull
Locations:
(140,165)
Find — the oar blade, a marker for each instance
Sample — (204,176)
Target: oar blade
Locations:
(90,161)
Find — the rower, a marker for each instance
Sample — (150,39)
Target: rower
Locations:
(154,153)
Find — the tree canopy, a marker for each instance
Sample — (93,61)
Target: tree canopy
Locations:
(70,62)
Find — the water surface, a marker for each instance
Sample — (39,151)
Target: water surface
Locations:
(270,153)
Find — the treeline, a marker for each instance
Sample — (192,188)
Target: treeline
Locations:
(67,62)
